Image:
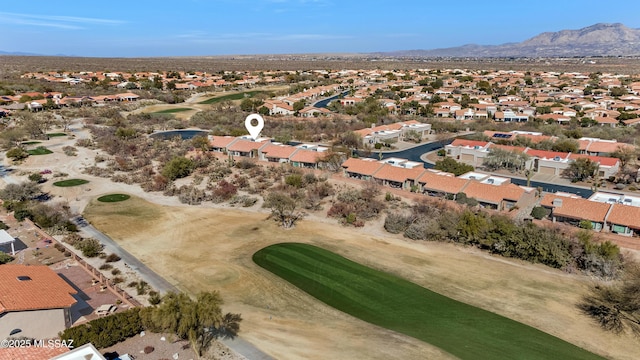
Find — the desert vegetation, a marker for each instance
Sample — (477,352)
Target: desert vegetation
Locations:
(27,200)
(499,234)
(615,304)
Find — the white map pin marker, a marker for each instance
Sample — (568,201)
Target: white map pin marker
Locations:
(254,130)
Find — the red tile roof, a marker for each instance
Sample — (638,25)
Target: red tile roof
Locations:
(31,353)
(546,154)
(606,146)
(442,183)
(398,174)
(493,193)
(469,143)
(246,145)
(366,167)
(518,149)
(45,290)
(624,215)
(308,156)
(278,151)
(222,141)
(602,160)
(578,208)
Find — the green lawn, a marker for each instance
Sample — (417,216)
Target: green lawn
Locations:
(113,198)
(238,96)
(385,300)
(40,150)
(56,134)
(171,111)
(70,182)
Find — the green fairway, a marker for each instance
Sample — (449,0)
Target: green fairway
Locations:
(113,198)
(40,150)
(171,111)
(238,96)
(388,301)
(71,182)
(56,134)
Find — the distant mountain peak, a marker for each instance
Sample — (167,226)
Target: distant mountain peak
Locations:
(601,39)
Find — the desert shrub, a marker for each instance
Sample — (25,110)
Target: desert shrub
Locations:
(118,280)
(461,198)
(21,192)
(586,224)
(294,180)
(59,247)
(245,164)
(35,177)
(5,258)
(615,305)
(88,143)
(72,239)
(177,168)
(142,287)
(3,226)
(397,223)
(362,203)
(70,150)
(148,349)
(243,200)
(90,247)
(132,284)
(22,214)
(106,267)
(112,258)
(540,212)
(17,153)
(116,272)
(310,178)
(105,331)
(154,298)
(188,194)
(224,191)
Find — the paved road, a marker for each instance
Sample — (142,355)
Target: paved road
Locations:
(324,102)
(153,279)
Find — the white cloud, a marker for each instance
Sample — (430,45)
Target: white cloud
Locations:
(309,37)
(55,21)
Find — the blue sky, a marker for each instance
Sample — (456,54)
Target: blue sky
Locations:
(140,28)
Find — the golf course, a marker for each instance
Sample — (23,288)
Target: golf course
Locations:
(396,304)
(484,305)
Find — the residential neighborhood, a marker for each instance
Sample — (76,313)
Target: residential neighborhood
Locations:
(509,130)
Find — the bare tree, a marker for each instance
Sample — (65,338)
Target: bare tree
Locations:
(284,208)
(616,306)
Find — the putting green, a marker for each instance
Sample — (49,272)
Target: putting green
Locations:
(40,150)
(71,182)
(113,198)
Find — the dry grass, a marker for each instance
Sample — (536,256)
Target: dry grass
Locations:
(203,248)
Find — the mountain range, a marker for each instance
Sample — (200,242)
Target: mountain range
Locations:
(595,40)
